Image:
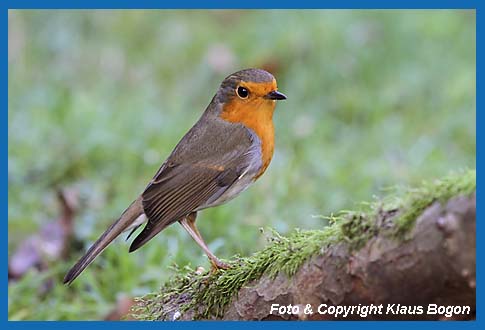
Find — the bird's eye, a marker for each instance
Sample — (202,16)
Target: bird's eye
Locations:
(242,92)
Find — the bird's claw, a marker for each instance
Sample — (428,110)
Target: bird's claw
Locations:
(216,264)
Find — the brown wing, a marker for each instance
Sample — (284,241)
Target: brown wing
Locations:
(186,188)
(183,185)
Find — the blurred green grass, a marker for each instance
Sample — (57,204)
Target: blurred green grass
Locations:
(98,99)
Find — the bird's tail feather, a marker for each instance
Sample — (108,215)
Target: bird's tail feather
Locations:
(120,225)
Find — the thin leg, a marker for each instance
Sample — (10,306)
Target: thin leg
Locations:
(189,225)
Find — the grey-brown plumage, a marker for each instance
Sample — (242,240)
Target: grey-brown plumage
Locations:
(196,174)
(119,226)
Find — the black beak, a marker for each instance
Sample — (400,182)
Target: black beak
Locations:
(275,95)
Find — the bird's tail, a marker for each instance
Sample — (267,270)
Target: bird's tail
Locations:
(120,225)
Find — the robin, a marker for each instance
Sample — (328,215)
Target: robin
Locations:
(229,148)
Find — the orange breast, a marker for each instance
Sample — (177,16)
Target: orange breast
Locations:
(258,116)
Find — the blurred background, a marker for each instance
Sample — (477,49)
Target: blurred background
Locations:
(98,99)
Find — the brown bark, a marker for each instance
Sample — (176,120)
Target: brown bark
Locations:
(436,265)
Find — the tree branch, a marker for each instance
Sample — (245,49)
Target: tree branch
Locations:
(382,257)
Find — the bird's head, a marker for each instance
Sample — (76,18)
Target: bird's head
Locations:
(249,90)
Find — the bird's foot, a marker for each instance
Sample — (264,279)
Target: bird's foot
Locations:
(216,264)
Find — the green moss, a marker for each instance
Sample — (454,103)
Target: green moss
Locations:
(211,292)
(413,203)
(216,289)
(358,228)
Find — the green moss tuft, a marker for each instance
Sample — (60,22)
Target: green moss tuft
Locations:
(414,201)
(208,294)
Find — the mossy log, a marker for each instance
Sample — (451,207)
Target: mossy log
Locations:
(414,250)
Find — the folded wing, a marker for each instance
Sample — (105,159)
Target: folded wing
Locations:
(183,186)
